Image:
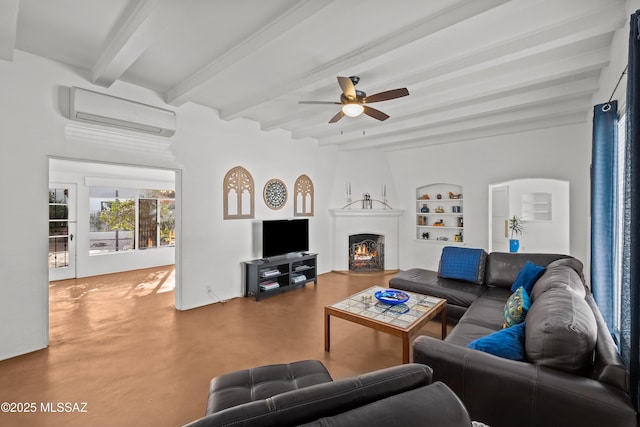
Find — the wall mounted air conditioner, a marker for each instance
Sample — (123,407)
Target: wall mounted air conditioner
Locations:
(98,108)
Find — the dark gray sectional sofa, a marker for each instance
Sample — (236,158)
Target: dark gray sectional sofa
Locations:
(303,393)
(572,374)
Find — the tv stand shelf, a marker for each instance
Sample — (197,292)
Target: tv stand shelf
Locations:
(265,277)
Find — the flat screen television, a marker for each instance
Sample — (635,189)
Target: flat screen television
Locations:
(281,237)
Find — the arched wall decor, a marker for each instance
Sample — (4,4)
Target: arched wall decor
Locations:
(237,187)
(303,196)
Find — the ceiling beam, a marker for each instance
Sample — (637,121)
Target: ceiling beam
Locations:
(294,16)
(130,38)
(8,27)
(561,119)
(479,127)
(420,29)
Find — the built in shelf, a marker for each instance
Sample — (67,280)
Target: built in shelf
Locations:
(451,205)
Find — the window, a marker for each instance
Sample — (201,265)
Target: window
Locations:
(124,219)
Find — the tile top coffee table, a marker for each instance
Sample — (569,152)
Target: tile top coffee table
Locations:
(402,320)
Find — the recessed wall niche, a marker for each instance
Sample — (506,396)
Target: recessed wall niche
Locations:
(303,196)
(238,194)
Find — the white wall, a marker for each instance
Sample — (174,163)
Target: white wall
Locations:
(33,116)
(558,153)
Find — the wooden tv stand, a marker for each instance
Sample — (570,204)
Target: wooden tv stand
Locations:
(288,272)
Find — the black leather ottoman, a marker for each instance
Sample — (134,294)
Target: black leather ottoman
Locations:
(236,388)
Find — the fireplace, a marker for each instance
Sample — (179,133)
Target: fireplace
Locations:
(350,222)
(366,252)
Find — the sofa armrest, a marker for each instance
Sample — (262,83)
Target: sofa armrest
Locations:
(498,391)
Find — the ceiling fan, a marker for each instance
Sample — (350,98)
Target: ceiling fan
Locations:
(353,101)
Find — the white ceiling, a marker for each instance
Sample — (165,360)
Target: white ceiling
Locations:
(473,68)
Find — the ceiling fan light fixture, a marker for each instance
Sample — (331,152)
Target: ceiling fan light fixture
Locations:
(352,110)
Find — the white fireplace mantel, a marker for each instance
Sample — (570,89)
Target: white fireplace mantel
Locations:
(366,212)
(347,222)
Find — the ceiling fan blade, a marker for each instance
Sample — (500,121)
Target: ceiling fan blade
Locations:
(319,102)
(347,87)
(337,117)
(376,114)
(384,96)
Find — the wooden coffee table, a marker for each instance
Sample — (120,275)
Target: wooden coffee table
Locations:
(402,320)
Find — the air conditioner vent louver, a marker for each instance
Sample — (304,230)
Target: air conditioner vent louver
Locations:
(98,108)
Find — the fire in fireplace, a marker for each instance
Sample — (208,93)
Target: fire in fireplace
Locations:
(366,252)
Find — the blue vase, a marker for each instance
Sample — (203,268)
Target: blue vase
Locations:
(514,245)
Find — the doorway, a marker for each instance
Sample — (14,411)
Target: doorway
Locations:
(543,206)
(107,218)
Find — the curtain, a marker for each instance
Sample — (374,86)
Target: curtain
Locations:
(630,302)
(603,207)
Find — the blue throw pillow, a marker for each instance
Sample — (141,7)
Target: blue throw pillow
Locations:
(527,277)
(507,343)
(462,264)
(516,307)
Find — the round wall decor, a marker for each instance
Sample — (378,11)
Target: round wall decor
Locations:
(275,194)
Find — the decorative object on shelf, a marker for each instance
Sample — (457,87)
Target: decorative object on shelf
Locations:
(275,194)
(303,195)
(455,196)
(458,237)
(424,209)
(425,235)
(439,223)
(439,196)
(392,296)
(439,209)
(456,209)
(367,201)
(460,221)
(425,197)
(442,238)
(238,180)
(516,225)
(384,193)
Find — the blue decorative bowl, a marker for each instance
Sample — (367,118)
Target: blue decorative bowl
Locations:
(392,297)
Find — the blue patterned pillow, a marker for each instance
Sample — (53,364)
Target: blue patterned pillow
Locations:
(507,343)
(516,308)
(527,277)
(462,264)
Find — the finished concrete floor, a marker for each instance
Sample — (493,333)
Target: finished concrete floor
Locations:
(118,344)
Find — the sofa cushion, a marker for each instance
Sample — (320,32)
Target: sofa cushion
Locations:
(507,343)
(561,331)
(503,268)
(561,274)
(238,387)
(466,331)
(516,307)
(527,277)
(462,264)
(427,282)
